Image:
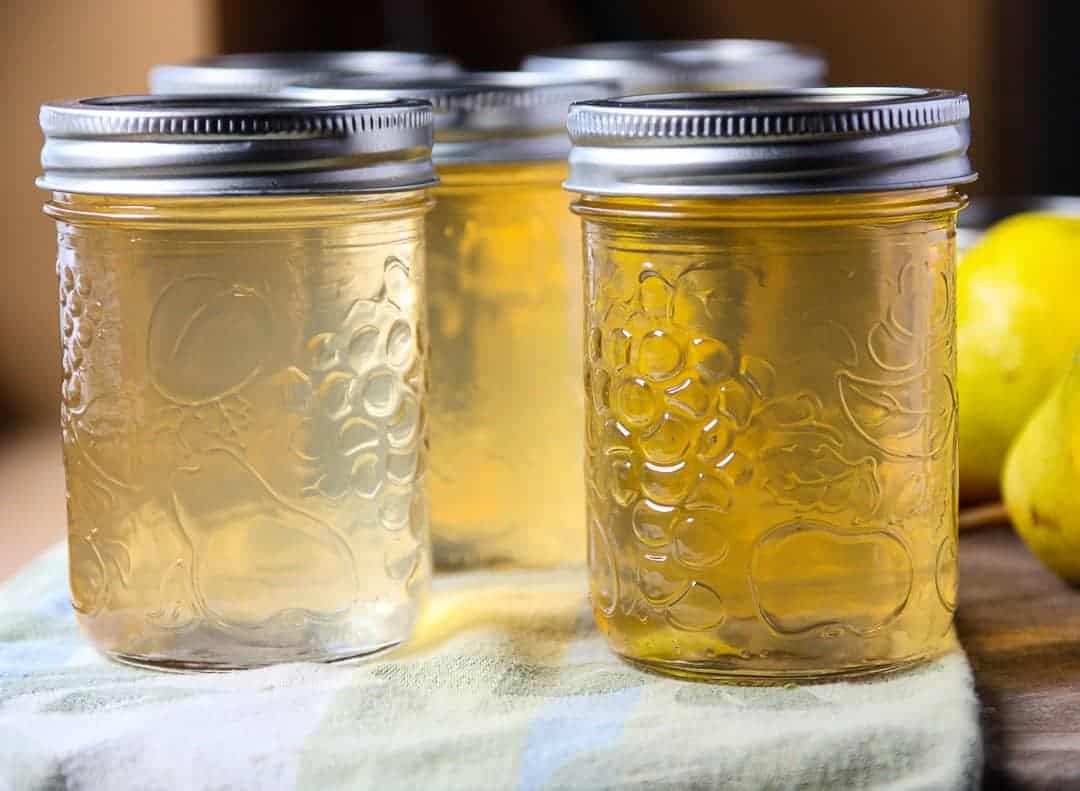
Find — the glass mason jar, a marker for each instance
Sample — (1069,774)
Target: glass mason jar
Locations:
(770,377)
(243,375)
(693,65)
(504,256)
(267,72)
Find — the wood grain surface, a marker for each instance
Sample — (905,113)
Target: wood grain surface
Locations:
(1020,626)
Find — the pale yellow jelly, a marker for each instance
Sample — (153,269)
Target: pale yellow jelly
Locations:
(771,431)
(505,404)
(243,424)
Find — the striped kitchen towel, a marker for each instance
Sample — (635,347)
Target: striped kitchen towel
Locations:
(506,686)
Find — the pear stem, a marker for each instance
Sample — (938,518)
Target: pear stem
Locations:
(984,515)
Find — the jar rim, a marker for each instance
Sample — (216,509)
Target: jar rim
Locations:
(793,141)
(266,72)
(648,66)
(791,209)
(189,145)
(483,116)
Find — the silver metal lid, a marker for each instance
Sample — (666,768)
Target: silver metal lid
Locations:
(497,116)
(702,65)
(770,143)
(269,72)
(217,145)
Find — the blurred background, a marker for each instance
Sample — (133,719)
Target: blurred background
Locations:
(1016,59)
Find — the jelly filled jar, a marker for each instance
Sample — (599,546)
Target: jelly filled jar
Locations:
(770,377)
(504,288)
(241,288)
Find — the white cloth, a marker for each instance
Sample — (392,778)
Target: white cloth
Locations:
(507,686)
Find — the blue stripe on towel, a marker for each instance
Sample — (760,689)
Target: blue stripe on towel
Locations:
(571,726)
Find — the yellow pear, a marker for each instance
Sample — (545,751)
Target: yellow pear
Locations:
(1017,326)
(1041,481)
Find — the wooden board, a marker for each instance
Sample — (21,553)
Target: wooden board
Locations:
(1021,628)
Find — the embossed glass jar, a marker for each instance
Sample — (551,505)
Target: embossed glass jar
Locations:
(504,269)
(770,367)
(723,64)
(241,287)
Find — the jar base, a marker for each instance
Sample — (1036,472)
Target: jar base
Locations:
(725,674)
(165,665)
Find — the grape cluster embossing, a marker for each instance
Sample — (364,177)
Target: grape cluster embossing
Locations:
(242,431)
(735,426)
(670,406)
